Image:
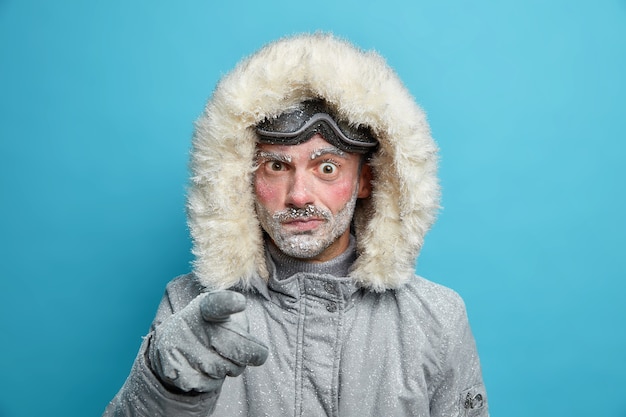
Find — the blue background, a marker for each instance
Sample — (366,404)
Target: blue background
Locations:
(527,100)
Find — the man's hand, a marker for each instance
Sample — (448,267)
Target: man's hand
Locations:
(196,348)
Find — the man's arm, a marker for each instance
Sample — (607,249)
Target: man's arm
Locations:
(182,363)
(143,394)
(459,389)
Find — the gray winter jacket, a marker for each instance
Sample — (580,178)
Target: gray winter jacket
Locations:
(336,350)
(378,341)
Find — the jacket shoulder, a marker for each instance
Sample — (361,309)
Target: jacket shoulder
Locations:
(438,298)
(433,305)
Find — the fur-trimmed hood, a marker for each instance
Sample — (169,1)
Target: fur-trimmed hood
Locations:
(389,225)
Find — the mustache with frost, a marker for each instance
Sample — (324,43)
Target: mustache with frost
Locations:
(305,213)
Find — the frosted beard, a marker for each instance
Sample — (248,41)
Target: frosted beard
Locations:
(306,244)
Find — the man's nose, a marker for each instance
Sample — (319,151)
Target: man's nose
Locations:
(300,193)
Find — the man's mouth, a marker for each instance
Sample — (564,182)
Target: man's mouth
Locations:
(303,224)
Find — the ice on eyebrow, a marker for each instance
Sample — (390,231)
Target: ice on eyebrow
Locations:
(332,150)
(273,156)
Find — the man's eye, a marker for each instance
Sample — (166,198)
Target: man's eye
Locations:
(328,168)
(276,166)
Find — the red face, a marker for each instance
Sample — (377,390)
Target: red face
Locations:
(305,196)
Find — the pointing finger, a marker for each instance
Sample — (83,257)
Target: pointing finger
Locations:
(218,306)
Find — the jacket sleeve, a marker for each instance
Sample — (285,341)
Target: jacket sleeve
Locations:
(143,394)
(459,389)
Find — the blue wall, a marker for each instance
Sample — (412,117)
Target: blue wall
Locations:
(526,99)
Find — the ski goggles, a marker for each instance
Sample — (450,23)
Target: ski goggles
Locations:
(310,118)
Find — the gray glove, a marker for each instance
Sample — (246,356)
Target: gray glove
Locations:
(197,347)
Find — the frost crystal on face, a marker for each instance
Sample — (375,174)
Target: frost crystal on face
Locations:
(294,213)
(306,244)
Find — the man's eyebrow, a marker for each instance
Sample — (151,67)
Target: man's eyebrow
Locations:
(273,156)
(328,150)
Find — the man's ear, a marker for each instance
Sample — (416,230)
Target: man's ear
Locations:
(365,181)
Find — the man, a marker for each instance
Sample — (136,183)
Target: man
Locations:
(313,184)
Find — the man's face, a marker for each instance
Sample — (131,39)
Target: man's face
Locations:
(305,196)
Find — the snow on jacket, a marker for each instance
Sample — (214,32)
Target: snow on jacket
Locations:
(378,342)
